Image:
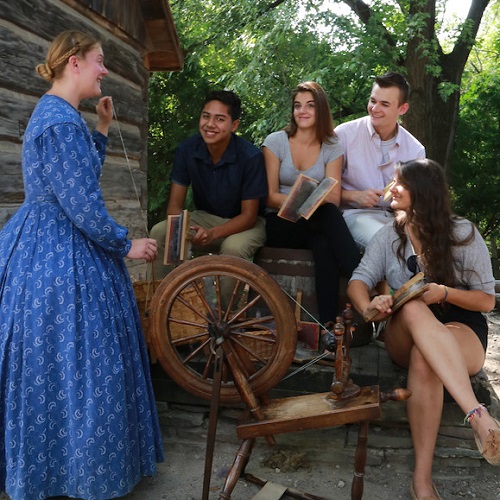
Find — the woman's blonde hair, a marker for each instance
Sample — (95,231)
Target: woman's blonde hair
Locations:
(64,45)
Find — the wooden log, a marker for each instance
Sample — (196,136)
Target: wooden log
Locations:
(52,19)
(11,187)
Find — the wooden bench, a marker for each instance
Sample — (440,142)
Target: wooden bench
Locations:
(294,270)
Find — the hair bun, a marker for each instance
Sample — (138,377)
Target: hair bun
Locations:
(45,71)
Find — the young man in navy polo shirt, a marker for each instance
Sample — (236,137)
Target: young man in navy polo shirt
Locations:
(228,180)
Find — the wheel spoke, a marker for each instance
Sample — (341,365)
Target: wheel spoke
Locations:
(253,353)
(256,326)
(208,365)
(194,353)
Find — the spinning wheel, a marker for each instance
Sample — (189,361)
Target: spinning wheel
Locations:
(190,319)
(224,330)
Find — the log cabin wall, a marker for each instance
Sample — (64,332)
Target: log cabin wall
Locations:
(138,36)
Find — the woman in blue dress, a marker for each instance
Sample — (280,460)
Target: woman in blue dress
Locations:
(77,411)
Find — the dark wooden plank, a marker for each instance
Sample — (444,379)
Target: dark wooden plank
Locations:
(15,113)
(134,141)
(11,185)
(6,213)
(130,216)
(17,73)
(17,65)
(116,182)
(129,18)
(51,19)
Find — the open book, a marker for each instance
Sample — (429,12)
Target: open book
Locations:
(412,289)
(305,197)
(387,190)
(177,240)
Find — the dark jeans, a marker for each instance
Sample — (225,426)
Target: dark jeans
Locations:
(332,245)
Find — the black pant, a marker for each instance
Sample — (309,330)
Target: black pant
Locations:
(332,245)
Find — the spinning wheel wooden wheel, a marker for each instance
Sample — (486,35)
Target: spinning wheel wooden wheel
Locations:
(222,300)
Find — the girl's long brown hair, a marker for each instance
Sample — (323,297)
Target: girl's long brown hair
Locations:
(324,121)
(431,218)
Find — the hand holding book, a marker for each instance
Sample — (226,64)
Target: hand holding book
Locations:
(306,195)
(177,240)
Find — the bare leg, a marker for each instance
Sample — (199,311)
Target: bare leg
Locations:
(436,355)
(424,415)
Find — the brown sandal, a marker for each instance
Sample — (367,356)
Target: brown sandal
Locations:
(490,448)
(435,495)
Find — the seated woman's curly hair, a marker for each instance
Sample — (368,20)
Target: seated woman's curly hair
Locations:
(431,217)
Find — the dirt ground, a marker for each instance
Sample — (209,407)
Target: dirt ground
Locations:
(311,466)
(319,463)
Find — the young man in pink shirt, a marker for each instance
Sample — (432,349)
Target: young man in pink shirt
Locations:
(372,146)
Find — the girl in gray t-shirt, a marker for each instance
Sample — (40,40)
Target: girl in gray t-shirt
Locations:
(308,146)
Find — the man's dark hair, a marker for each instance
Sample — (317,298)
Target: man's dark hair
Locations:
(227,97)
(393,79)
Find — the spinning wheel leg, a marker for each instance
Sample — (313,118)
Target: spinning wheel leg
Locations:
(212,425)
(237,468)
(360,461)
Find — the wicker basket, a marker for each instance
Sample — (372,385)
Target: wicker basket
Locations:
(183,312)
(144,291)
(262,349)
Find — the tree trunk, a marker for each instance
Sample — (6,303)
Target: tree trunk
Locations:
(432,117)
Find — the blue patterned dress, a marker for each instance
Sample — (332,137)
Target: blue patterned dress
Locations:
(77,411)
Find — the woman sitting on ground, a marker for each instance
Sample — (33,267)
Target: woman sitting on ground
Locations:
(442,336)
(308,146)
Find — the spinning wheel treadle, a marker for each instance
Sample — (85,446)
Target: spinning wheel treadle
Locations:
(189,321)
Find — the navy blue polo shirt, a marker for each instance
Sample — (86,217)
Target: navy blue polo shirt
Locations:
(219,189)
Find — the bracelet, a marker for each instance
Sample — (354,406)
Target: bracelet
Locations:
(445,294)
(476,411)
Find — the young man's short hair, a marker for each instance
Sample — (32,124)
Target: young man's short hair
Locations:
(393,79)
(227,97)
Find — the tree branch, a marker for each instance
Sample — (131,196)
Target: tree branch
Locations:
(463,46)
(203,43)
(361,9)
(364,13)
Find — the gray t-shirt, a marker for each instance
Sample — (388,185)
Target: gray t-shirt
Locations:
(278,143)
(380,260)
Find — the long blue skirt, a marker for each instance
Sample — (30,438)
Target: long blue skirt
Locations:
(77,411)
